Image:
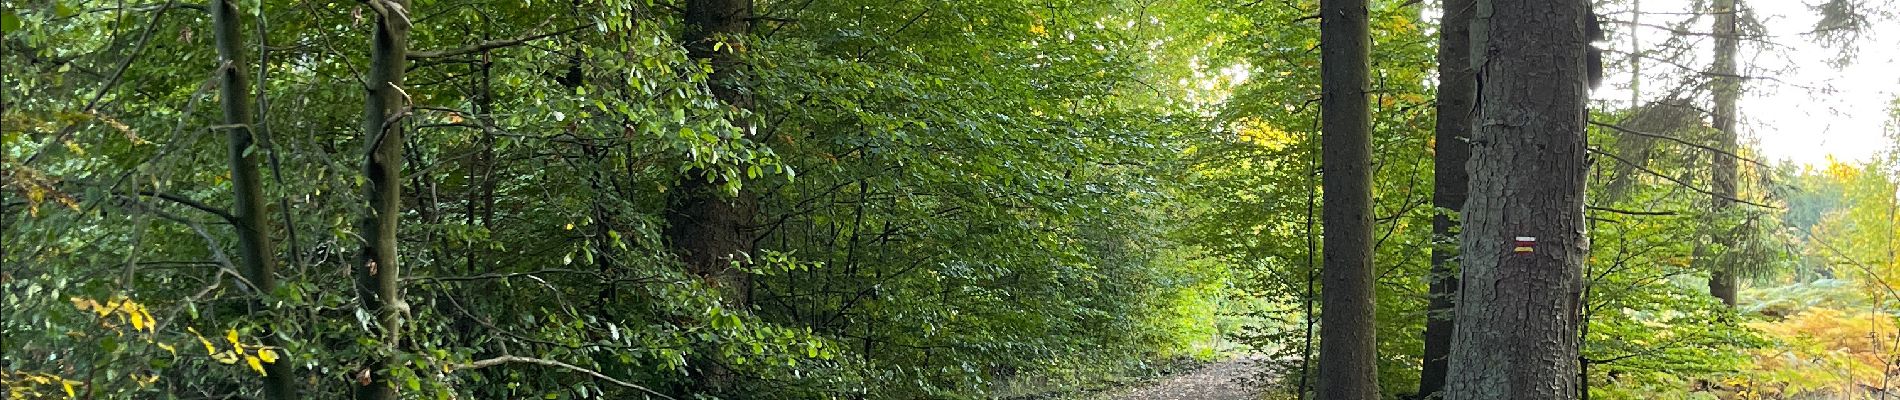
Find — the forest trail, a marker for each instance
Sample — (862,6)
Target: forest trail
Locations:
(1225,380)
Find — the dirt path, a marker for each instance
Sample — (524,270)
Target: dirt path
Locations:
(1217,381)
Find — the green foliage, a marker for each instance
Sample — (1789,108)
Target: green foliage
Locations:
(952,196)
(1254,182)
(954,200)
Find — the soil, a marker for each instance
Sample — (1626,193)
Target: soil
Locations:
(1225,380)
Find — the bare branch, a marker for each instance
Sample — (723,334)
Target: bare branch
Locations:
(221,213)
(488,276)
(489,45)
(1630,212)
(1678,140)
(557,364)
(1594,150)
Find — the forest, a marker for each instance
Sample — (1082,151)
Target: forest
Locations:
(950,199)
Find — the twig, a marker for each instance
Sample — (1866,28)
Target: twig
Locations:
(489,45)
(488,276)
(551,363)
(1628,212)
(1677,140)
(221,213)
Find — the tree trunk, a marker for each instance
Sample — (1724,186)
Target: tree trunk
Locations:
(1728,87)
(1457,88)
(1348,368)
(1636,54)
(710,230)
(1524,240)
(378,281)
(255,249)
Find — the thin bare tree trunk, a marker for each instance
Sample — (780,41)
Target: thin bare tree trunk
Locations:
(1524,241)
(1636,54)
(1348,367)
(256,252)
(378,272)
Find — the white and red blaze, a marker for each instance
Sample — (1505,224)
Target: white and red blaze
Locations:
(1525,244)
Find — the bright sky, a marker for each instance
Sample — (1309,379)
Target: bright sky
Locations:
(1810,109)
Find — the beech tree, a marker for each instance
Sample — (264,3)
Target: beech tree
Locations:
(255,246)
(378,271)
(709,227)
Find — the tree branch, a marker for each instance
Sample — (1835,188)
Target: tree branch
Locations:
(488,276)
(1677,140)
(1594,150)
(1629,212)
(221,213)
(112,81)
(489,45)
(551,363)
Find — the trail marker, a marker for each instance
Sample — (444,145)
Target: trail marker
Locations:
(1525,244)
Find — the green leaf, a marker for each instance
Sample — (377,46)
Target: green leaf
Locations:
(9,22)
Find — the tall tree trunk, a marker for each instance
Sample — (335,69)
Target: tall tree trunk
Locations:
(378,270)
(255,249)
(710,230)
(1347,353)
(1728,87)
(1457,89)
(1523,242)
(1636,54)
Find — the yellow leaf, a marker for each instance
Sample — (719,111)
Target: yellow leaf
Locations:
(151,323)
(68,385)
(255,365)
(267,355)
(209,349)
(145,380)
(231,335)
(168,348)
(138,320)
(226,358)
(85,304)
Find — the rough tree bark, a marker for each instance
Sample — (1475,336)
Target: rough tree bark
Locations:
(710,230)
(378,279)
(1524,241)
(256,251)
(1728,87)
(1347,353)
(1457,89)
